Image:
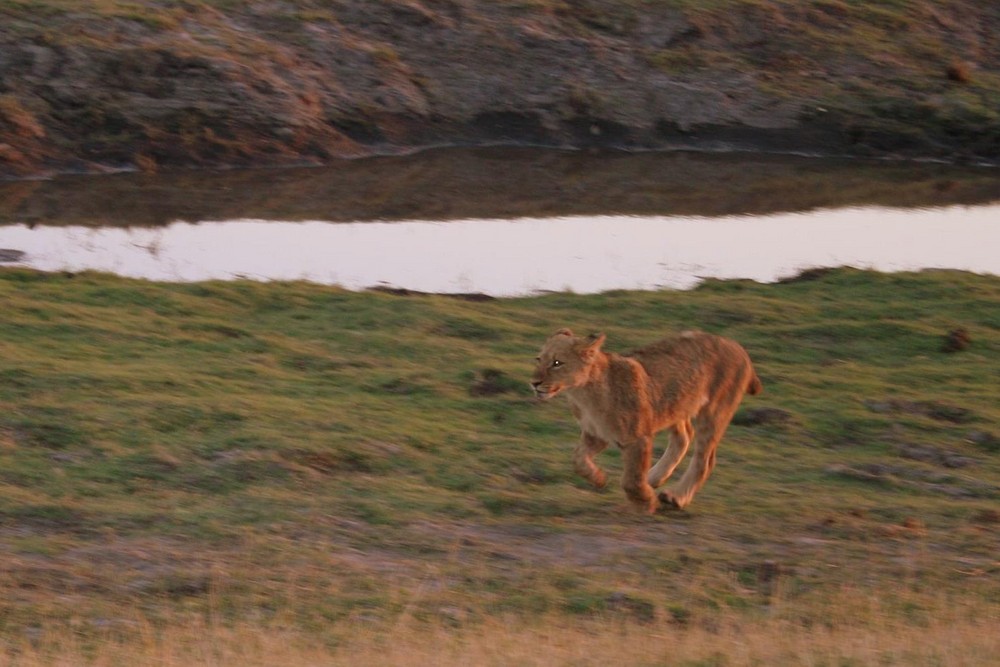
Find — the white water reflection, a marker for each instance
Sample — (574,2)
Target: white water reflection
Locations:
(510,257)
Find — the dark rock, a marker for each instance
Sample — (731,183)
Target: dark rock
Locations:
(959,72)
(933,409)
(935,456)
(985,439)
(761,416)
(947,413)
(11,255)
(400,386)
(491,382)
(957,340)
(641,610)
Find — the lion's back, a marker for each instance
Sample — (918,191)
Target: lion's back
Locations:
(694,361)
(688,350)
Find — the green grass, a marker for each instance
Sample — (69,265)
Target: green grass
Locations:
(298,454)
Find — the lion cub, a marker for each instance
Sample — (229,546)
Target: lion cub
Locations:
(689,384)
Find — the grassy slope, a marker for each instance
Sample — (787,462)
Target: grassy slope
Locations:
(299,457)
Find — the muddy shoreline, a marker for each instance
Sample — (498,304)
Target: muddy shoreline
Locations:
(154,85)
(508,183)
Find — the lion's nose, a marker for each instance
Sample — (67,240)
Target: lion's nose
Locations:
(535,384)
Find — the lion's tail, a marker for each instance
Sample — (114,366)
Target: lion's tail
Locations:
(754,387)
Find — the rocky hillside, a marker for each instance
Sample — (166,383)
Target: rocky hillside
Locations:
(164,83)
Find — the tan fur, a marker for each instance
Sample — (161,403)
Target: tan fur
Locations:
(688,385)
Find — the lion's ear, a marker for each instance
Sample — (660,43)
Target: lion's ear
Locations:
(592,345)
(563,332)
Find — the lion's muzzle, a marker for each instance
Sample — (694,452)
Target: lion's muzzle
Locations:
(543,392)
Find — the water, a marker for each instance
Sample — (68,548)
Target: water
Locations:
(584,223)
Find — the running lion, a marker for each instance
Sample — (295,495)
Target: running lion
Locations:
(689,384)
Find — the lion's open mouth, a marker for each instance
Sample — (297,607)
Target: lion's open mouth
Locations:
(545,392)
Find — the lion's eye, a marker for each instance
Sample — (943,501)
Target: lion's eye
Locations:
(556,363)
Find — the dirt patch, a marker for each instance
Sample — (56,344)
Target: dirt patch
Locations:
(914,477)
(934,409)
(936,456)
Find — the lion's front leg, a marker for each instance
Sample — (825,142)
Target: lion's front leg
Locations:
(583,459)
(637,456)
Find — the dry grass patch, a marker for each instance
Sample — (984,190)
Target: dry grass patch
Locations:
(952,639)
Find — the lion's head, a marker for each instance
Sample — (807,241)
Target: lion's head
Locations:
(564,362)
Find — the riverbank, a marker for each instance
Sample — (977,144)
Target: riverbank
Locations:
(507,183)
(188,470)
(154,84)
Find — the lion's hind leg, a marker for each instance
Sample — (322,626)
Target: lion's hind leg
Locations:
(678,440)
(708,433)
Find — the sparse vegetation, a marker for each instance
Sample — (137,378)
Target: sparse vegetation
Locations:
(246,473)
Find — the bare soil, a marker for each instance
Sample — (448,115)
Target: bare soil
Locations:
(153,84)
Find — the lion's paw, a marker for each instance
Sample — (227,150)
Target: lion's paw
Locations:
(669,500)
